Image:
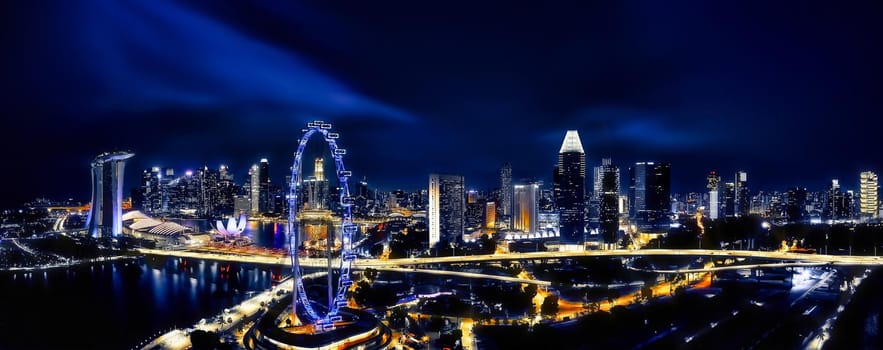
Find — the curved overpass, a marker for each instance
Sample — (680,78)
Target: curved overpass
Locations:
(398,263)
(733,267)
(322,263)
(781,256)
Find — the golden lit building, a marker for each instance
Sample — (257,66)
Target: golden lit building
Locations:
(490,212)
(525,203)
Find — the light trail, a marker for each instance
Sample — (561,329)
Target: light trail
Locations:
(362,263)
(731,267)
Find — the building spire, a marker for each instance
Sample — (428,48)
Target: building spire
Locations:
(571,143)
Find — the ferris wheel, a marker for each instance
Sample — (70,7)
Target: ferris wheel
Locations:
(323,320)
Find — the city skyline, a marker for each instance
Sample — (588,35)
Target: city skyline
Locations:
(244,178)
(650,228)
(204,175)
(499,91)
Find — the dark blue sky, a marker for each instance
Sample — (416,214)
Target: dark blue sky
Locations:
(792,92)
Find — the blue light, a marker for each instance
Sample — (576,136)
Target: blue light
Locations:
(300,297)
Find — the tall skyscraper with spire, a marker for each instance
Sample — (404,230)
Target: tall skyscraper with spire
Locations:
(570,188)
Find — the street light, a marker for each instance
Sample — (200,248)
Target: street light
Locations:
(826,243)
(766,226)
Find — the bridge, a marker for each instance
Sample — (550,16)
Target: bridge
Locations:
(323,263)
(770,255)
(734,267)
(786,259)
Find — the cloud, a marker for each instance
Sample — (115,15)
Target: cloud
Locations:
(616,126)
(149,55)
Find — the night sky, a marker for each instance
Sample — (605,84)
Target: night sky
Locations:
(791,92)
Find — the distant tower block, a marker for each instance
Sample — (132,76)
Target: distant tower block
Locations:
(319,169)
(105,216)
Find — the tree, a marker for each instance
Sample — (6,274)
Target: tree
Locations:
(646,292)
(371,274)
(202,340)
(487,245)
(530,291)
(376,297)
(550,305)
(361,293)
(451,339)
(481,317)
(436,323)
(376,250)
(398,318)
(516,300)
(612,295)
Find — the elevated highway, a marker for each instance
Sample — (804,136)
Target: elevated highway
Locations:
(784,259)
(323,263)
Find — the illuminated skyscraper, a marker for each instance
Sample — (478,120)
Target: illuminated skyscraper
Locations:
(472,197)
(596,181)
(570,191)
(475,217)
(241,204)
(166,189)
(255,189)
(362,189)
(838,204)
(729,199)
(226,192)
(209,192)
(712,183)
(316,187)
(490,215)
(608,195)
(525,207)
(742,196)
(650,194)
(638,188)
(659,190)
(225,173)
(266,200)
(506,189)
(868,193)
(833,200)
(105,214)
(447,206)
(150,191)
(796,204)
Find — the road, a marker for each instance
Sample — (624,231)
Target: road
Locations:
(180,338)
(174,339)
(732,267)
(374,263)
(323,263)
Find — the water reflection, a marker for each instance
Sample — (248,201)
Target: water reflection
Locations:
(115,305)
